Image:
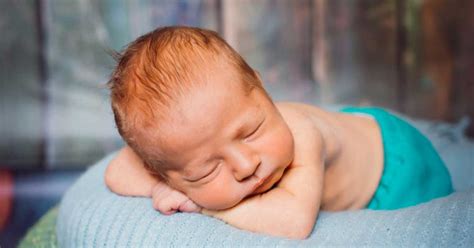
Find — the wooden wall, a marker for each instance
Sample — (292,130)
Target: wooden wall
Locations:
(408,55)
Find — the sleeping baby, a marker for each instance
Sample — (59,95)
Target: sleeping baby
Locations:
(204,136)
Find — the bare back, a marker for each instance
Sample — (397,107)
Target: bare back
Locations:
(354,155)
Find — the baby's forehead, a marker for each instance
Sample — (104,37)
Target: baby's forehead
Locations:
(206,115)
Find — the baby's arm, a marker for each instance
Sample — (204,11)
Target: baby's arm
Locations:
(291,208)
(126,175)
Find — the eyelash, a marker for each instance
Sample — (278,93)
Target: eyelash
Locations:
(254,131)
(209,174)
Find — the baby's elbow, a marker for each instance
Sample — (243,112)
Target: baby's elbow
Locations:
(301,226)
(302,230)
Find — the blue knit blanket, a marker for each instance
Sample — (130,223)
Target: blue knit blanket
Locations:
(91,216)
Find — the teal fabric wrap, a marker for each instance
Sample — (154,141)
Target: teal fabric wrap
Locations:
(413,171)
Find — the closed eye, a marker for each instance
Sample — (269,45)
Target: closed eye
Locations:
(206,175)
(252,133)
(255,130)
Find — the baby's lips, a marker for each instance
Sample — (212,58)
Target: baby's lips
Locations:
(257,182)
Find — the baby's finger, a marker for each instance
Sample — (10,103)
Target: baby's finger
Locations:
(189,206)
(166,203)
(161,191)
(171,202)
(184,204)
(166,206)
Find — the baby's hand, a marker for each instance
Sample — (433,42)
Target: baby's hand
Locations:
(168,200)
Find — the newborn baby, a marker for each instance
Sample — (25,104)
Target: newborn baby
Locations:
(204,136)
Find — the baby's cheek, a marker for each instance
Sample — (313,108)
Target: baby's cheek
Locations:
(216,196)
(281,147)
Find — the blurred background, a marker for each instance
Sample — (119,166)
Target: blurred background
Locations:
(412,56)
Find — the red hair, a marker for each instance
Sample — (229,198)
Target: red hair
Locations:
(157,68)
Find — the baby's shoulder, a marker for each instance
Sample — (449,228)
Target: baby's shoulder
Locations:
(295,113)
(313,123)
(302,119)
(297,110)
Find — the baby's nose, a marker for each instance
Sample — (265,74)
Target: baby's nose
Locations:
(246,162)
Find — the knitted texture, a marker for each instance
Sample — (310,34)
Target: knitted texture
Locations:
(43,233)
(92,216)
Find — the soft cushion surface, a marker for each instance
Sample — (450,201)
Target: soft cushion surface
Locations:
(90,215)
(43,233)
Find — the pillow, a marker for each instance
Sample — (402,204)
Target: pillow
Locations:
(90,215)
(43,232)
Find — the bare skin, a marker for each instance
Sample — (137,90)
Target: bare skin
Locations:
(292,158)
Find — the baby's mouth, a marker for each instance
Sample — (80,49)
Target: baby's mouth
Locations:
(260,185)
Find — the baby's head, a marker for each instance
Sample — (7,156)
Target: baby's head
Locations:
(198,116)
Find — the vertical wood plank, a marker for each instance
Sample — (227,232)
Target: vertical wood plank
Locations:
(275,39)
(360,45)
(441,58)
(20,92)
(80,123)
